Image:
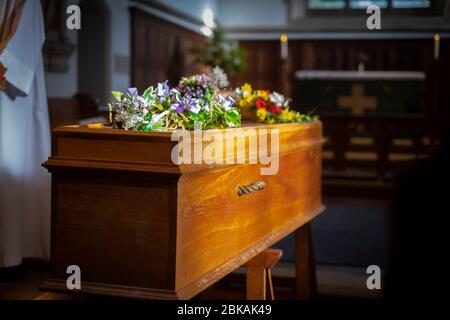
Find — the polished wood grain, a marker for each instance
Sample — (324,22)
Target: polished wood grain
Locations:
(258,270)
(140,226)
(256,278)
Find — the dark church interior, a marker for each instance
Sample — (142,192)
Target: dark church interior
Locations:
(381,95)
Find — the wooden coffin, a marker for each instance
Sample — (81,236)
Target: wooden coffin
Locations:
(139,225)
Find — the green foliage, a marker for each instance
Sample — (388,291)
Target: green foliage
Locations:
(219,51)
(118,95)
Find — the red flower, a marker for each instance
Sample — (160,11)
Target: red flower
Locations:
(260,104)
(275,109)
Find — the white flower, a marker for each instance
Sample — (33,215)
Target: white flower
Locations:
(159,116)
(131,121)
(277,98)
(163,89)
(219,78)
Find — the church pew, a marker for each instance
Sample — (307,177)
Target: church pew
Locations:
(383,136)
(365,152)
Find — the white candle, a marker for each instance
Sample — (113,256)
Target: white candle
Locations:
(284,47)
(437,40)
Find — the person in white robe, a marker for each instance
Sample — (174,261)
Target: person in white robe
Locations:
(24,144)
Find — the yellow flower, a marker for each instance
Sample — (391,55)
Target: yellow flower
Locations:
(246,90)
(249,99)
(288,115)
(245,103)
(261,114)
(263,94)
(247,87)
(285,112)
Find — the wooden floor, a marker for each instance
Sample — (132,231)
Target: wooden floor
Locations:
(59,296)
(21,283)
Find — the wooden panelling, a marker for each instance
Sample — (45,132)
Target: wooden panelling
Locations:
(263,65)
(160,50)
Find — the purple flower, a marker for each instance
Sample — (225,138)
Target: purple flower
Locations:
(227,103)
(163,89)
(140,100)
(202,80)
(177,104)
(194,106)
(178,107)
(186,104)
(175,92)
(132,91)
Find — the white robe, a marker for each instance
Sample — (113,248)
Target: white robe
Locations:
(24,144)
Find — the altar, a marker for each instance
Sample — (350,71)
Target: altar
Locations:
(359,93)
(140,226)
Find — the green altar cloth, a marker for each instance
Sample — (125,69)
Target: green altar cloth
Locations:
(360,92)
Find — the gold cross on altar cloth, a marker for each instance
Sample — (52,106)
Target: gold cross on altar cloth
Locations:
(357,102)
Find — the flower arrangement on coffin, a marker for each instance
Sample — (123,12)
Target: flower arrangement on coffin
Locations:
(246,99)
(269,107)
(197,98)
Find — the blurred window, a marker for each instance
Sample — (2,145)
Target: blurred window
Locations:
(362,4)
(408,4)
(326,4)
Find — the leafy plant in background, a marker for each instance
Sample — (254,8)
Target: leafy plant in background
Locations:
(196,99)
(222,52)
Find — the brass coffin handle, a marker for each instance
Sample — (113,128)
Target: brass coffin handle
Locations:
(253,187)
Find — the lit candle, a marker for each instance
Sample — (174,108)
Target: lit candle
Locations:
(284,47)
(437,40)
